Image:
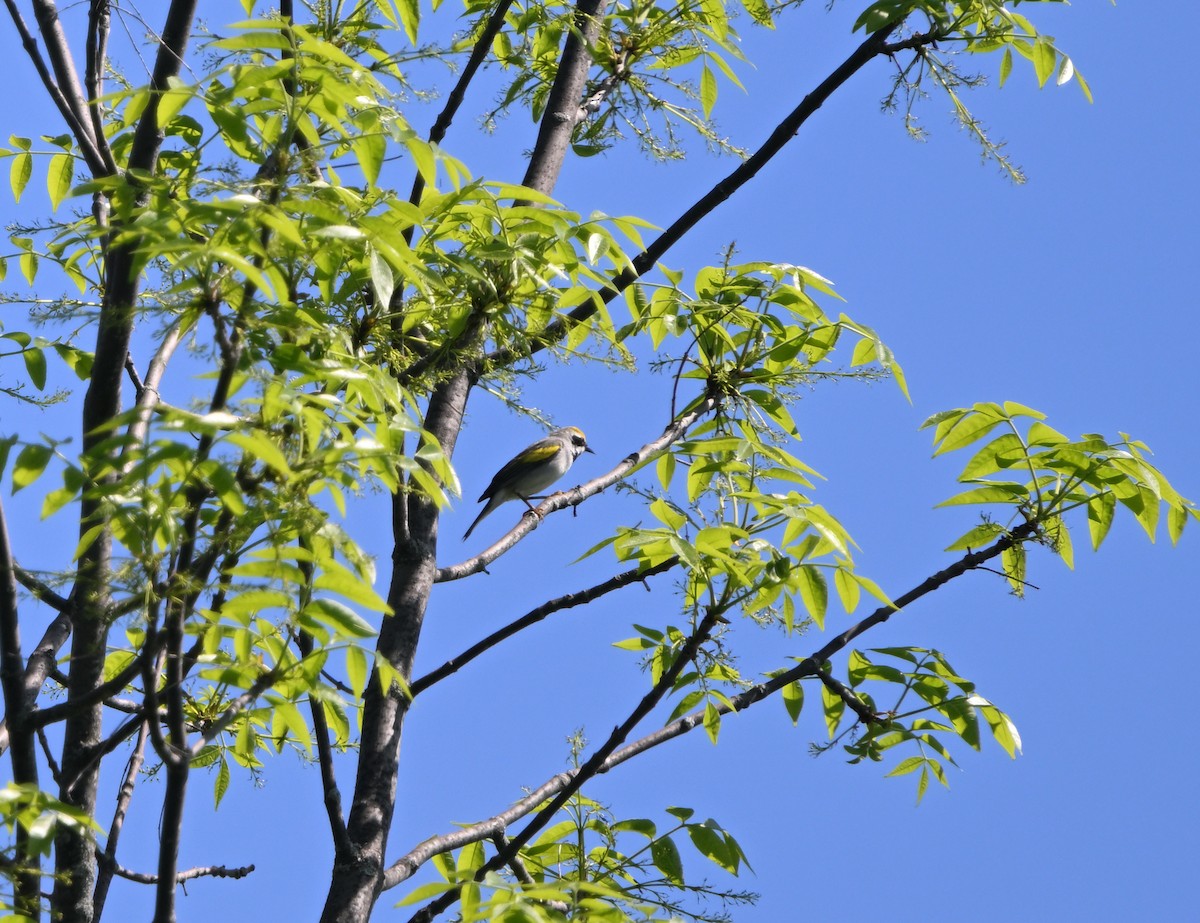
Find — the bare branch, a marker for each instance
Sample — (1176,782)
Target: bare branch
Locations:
(12,668)
(63,710)
(40,665)
(570,600)
(333,794)
(41,590)
(97,60)
(565,498)
(124,796)
(203,871)
(51,762)
(146,391)
(69,100)
(26,895)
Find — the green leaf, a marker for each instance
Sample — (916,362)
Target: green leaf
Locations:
(977,537)
(338,579)
(221,783)
(19,172)
(356,669)
(370,149)
(793,700)
(345,621)
(905,766)
(31,462)
(708,90)
(1060,537)
(35,365)
(712,721)
(709,841)
(665,513)
(883,14)
(1005,65)
(995,493)
(640,825)
(1001,453)
(1083,85)
(410,16)
(1044,59)
(59,178)
(968,429)
(1013,561)
(834,709)
(1002,726)
(848,589)
(814,591)
(667,860)
(665,469)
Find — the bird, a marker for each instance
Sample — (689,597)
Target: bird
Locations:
(533,469)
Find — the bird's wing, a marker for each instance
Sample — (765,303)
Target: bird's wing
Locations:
(541,451)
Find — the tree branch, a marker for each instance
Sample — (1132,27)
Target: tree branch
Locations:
(357,873)
(570,600)
(147,395)
(97,59)
(203,871)
(480,50)
(26,894)
(70,102)
(41,590)
(404,867)
(874,46)
(332,794)
(108,859)
(847,695)
(75,852)
(40,665)
(593,764)
(565,498)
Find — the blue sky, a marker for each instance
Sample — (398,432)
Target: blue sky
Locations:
(1071,294)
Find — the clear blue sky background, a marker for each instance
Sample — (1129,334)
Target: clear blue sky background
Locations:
(1073,294)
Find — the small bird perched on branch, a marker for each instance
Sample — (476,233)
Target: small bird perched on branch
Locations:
(533,469)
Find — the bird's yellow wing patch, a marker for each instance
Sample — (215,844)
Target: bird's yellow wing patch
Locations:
(540,454)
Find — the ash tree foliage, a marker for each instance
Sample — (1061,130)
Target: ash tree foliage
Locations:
(277,293)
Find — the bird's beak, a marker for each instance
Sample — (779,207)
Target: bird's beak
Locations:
(588,448)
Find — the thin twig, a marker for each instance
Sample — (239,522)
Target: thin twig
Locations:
(124,796)
(329,785)
(570,600)
(203,871)
(41,590)
(51,762)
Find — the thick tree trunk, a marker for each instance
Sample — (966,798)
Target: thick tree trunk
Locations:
(358,871)
(358,874)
